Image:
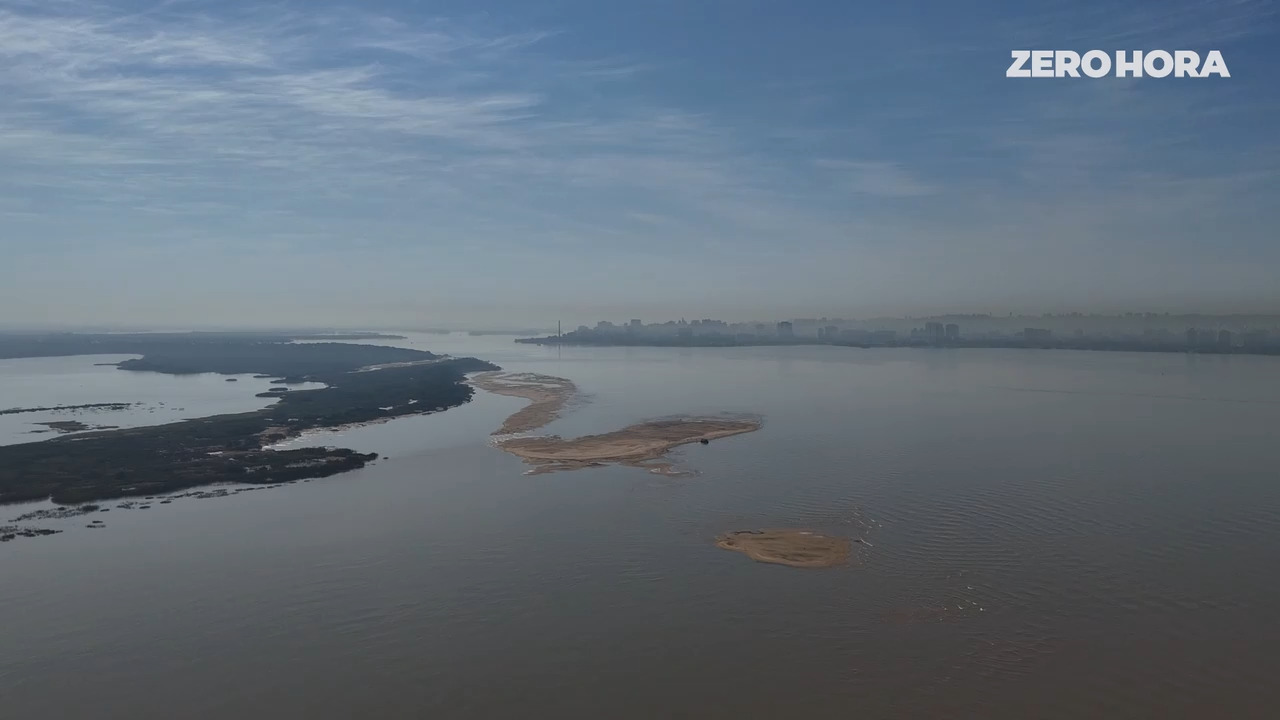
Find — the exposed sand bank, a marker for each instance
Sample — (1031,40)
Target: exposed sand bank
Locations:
(640,445)
(547,395)
(795,548)
(646,445)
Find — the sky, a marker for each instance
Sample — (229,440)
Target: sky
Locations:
(512,163)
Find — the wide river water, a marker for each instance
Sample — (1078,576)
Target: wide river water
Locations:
(1052,534)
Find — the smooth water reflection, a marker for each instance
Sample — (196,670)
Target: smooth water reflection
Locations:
(153,398)
(1056,535)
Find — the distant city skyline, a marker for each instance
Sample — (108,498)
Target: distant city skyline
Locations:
(1140,332)
(947,325)
(946,320)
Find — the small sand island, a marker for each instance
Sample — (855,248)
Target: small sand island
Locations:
(795,548)
(547,396)
(641,445)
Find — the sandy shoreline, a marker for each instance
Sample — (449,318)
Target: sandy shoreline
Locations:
(273,437)
(406,363)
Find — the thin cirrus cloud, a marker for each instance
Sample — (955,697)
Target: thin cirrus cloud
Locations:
(163,106)
(176,137)
(876,178)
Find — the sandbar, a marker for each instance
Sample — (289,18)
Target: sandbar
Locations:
(794,548)
(640,445)
(547,396)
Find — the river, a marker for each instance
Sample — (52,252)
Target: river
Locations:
(1053,534)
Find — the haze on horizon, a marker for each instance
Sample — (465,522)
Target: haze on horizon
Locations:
(383,163)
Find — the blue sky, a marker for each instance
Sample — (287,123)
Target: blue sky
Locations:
(496,163)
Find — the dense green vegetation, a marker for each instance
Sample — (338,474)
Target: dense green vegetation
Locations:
(60,408)
(28,345)
(229,448)
(291,362)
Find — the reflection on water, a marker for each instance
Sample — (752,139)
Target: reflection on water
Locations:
(1100,547)
(150,398)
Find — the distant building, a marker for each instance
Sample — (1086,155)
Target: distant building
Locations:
(635,323)
(952,331)
(1224,338)
(785,330)
(934,332)
(1255,339)
(830,332)
(1037,335)
(884,337)
(685,333)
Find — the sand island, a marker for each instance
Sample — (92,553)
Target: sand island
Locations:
(547,396)
(642,445)
(795,548)
(646,445)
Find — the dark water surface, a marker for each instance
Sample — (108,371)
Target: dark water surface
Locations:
(152,398)
(1055,535)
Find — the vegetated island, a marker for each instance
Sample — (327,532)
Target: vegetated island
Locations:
(232,448)
(62,344)
(62,408)
(643,445)
(346,336)
(294,363)
(71,426)
(795,548)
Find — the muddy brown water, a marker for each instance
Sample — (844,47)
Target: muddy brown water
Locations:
(1051,535)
